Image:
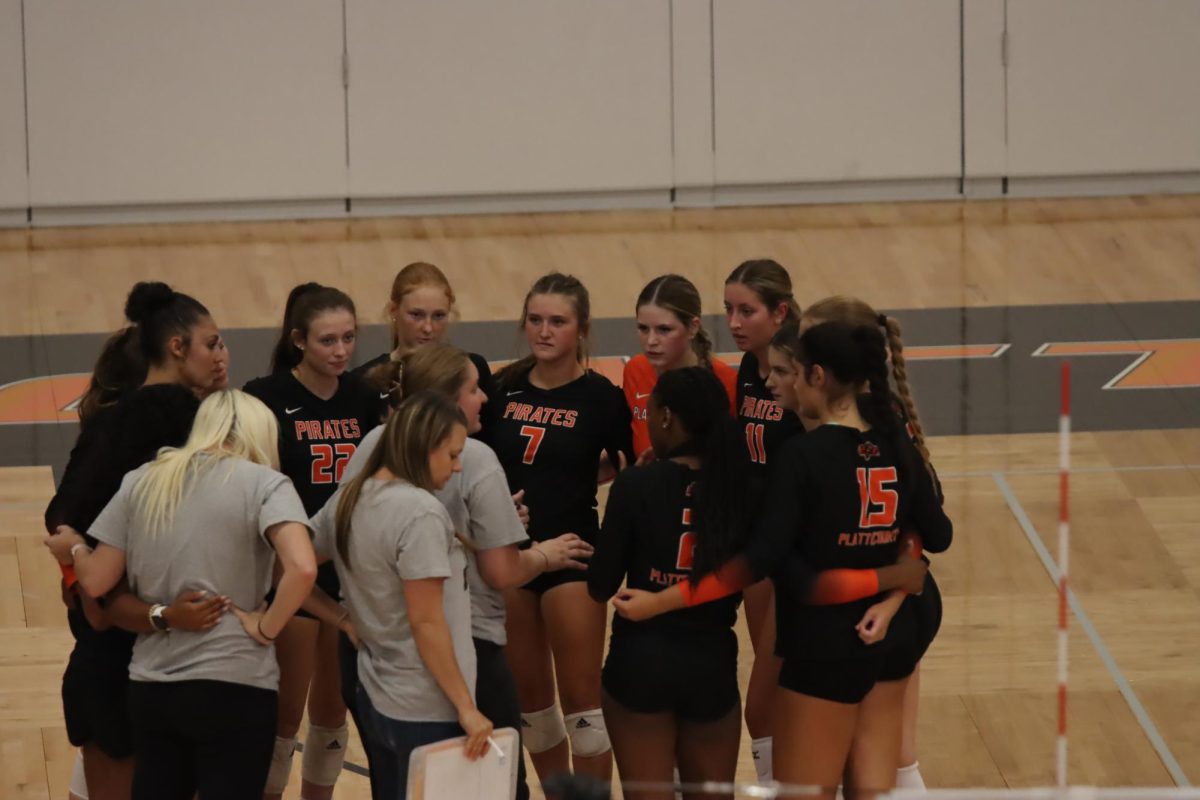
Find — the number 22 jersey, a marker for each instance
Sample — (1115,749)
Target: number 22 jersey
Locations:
(317,437)
(550,440)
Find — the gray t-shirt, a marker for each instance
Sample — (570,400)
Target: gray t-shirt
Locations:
(216,543)
(399,533)
(482,511)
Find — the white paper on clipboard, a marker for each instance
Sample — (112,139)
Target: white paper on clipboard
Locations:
(441,771)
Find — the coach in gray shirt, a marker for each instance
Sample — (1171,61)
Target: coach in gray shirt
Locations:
(211,516)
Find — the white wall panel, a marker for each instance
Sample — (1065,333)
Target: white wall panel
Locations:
(458,97)
(692,90)
(13,186)
(984,147)
(1103,86)
(836,90)
(152,101)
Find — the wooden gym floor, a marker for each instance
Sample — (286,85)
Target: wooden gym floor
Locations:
(988,686)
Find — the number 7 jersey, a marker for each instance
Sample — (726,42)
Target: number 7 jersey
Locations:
(549,442)
(317,437)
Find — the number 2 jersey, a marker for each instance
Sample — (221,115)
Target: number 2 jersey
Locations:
(647,540)
(839,497)
(549,442)
(317,437)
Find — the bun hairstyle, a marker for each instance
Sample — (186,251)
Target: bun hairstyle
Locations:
(841,308)
(160,314)
(856,358)
(678,295)
(305,302)
(770,281)
(569,287)
(435,367)
(721,506)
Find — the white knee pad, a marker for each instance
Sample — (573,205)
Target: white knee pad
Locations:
(588,735)
(324,754)
(542,730)
(281,765)
(763,751)
(78,787)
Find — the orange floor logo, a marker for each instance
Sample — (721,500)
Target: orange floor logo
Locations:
(54,398)
(1156,363)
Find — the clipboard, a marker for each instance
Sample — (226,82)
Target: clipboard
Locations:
(440,770)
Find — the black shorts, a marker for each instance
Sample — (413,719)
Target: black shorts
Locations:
(693,675)
(846,680)
(927,608)
(548,580)
(95,705)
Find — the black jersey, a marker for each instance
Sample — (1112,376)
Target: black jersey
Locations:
(117,440)
(647,540)
(839,497)
(764,423)
(486,383)
(550,441)
(317,437)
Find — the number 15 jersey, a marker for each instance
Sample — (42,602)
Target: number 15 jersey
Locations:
(550,440)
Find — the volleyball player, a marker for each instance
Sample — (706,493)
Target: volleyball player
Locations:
(323,413)
(419,311)
(405,579)
(143,397)
(483,515)
(672,336)
(670,684)
(928,605)
(554,418)
(212,515)
(840,498)
(758,302)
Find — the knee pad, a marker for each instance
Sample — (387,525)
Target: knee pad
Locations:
(542,730)
(324,753)
(588,735)
(281,765)
(78,787)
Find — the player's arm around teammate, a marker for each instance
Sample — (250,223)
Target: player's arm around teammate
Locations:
(928,606)
(670,685)
(845,492)
(171,353)
(213,515)
(554,419)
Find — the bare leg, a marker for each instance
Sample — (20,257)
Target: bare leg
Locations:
(528,654)
(644,746)
(812,740)
(708,751)
(575,625)
(871,768)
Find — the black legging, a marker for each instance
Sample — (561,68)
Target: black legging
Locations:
(206,739)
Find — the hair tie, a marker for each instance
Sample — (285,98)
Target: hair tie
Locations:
(882,320)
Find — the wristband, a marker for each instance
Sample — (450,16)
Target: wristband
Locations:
(263,634)
(76,547)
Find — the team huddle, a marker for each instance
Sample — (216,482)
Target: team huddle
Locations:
(416,542)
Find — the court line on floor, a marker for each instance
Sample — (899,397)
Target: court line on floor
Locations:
(1085,622)
(988,473)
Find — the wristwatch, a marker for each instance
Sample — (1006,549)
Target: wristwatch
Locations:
(158,618)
